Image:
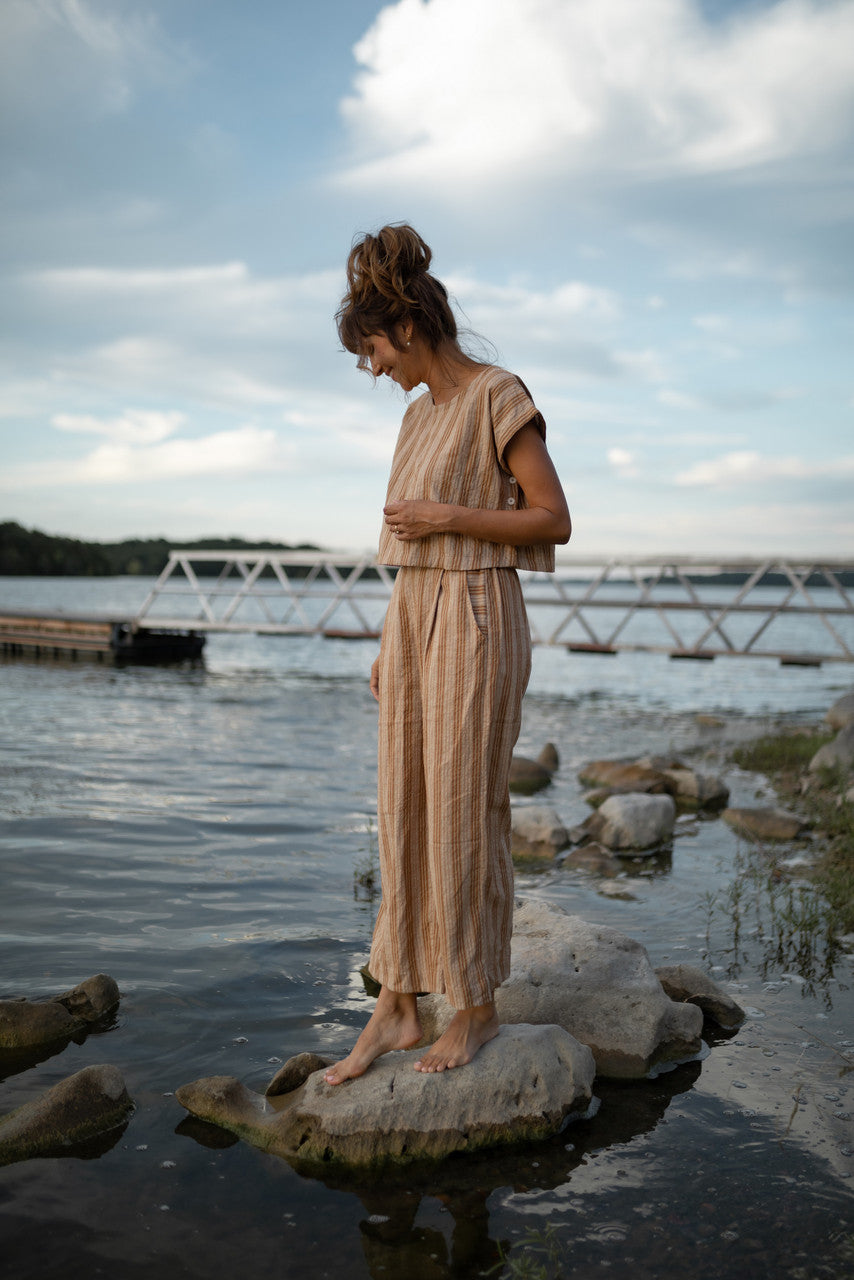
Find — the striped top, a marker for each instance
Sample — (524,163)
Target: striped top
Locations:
(454,452)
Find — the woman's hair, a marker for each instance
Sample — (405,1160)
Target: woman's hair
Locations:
(388,283)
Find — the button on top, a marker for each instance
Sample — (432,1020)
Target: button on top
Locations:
(512,479)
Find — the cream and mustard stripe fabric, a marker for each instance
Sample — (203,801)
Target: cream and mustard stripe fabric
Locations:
(454,663)
(454,452)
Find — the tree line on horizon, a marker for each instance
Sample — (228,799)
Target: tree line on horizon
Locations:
(32,553)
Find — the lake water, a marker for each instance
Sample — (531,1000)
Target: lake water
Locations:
(195,833)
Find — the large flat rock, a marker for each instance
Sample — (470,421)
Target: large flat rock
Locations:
(594,982)
(522,1085)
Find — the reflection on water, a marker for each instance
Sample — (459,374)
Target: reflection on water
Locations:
(198,834)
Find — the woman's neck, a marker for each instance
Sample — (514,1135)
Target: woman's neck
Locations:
(448,372)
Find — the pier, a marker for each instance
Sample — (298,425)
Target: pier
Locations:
(797,611)
(101,637)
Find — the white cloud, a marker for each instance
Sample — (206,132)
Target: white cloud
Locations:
(548,87)
(748,466)
(133,427)
(243,451)
(495,303)
(622,461)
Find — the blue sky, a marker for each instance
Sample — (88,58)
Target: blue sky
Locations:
(644,205)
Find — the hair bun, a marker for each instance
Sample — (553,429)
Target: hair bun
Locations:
(388,263)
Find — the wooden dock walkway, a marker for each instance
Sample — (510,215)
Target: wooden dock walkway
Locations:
(102,637)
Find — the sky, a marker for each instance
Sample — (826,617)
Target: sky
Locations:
(643,207)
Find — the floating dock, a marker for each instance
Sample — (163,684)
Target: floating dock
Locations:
(102,637)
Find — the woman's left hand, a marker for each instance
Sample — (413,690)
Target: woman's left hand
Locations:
(410,520)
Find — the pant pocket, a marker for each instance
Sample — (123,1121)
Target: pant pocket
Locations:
(477,596)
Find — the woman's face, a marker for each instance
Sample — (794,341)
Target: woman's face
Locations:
(385,358)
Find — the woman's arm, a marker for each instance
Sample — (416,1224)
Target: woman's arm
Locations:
(544,520)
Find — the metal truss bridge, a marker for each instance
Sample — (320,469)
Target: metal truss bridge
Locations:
(800,612)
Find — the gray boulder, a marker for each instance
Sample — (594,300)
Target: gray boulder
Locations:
(765,824)
(700,789)
(522,1085)
(24,1024)
(593,981)
(83,1106)
(633,822)
(842,712)
(838,753)
(682,982)
(537,833)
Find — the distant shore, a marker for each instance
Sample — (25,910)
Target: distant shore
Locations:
(31,553)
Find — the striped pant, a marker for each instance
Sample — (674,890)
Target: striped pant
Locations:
(454,663)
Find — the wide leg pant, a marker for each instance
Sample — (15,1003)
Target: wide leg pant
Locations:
(454,663)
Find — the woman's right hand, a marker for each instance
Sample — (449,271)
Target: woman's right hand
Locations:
(375,678)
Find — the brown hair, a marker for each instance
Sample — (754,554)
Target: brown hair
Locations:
(388,283)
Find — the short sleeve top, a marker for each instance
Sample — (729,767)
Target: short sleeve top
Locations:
(454,452)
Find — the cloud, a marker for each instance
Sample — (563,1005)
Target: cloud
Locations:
(542,88)
(79,55)
(133,427)
(622,461)
(748,466)
(243,451)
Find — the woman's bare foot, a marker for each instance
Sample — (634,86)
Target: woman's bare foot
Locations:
(393,1025)
(468,1030)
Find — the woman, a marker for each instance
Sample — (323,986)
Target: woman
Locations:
(472,496)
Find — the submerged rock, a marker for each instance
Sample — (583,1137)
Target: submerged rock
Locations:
(84,1105)
(765,824)
(522,1085)
(684,982)
(633,822)
(25,1024)
(593,981)
(537,833)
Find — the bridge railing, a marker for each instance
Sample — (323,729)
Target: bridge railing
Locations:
(798,611)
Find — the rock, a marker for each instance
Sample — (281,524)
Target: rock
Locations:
(549,758)
(765,824)
(527,776)
(536,832)
(623,776)
(849,795)
(633,822)
(700,789)
(92,998)
(709,722)
(27,1023)
(842,712)
(295,1072)
(521,1086)
(84,1105)
(683,982)
(839,752)
(599,795)
(593,857)
(619,889)
(594,982)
